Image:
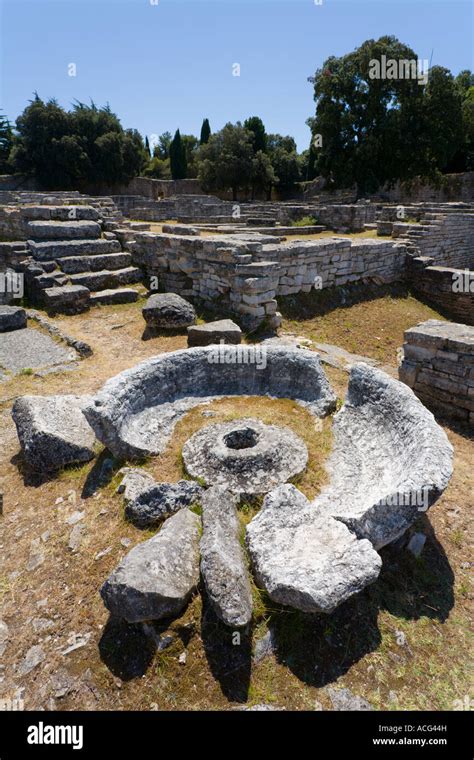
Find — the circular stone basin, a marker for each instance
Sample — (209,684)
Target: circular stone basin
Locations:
(246,456)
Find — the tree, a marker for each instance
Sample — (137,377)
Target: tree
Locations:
(147,146)
(6,143)
(284,160)
(256,126)
(178,163)
(263,176)
(87,145)
(162,150)
(443,117)
(464,159)
(226,161)
(373,129)
(205,132)
(158,168)
(191,146)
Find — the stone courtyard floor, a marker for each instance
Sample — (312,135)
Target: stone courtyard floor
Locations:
(401,644)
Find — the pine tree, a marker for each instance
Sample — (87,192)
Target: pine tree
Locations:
(205,132)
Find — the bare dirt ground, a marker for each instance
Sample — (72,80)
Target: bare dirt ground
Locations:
(401,644)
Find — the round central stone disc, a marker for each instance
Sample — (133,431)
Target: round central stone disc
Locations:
(246,456)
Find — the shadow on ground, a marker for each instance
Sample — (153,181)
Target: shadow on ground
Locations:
(317,649)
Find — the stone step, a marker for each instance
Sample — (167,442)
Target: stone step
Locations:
(69,299)
(71,230)
(70,213)
(108,261)
(105,279)
(59,249)
(120,295)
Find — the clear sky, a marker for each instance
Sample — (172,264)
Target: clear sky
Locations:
(163,64)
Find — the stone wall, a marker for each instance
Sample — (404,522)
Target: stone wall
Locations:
(249,271)
(448,289)
(453,187)
(438,365)
(154,189)
(448,239)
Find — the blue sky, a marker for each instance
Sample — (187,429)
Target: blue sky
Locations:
(169,65)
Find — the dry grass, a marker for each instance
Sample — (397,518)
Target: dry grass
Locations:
(428,600)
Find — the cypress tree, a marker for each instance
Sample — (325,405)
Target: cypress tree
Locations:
(178,163)
(205,132)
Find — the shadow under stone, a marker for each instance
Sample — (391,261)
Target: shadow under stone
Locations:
(126,649)
(230,662)
(319,648)
(103,471)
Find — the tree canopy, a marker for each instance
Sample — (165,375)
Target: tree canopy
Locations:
(67,149)
(377,129)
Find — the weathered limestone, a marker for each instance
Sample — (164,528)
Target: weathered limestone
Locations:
(12,318)
(223,564)
(153,504)
(390,459)
(68,299)
(220,331)
(48,250)
(155,579)
(245,456)
(134,482)
(53,431)
(135,412)
(305,559)
(438,364)
(52,230)
(168,311)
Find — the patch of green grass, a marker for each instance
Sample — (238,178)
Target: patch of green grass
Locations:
(26,371)
(305,221)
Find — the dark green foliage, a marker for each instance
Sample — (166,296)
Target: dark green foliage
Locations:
(87,145)
(205,132)
(228,161)
(378,130)
(284,160)
(6,143)
(256,126)
(178,163)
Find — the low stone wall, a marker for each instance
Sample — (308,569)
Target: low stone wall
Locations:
(449,289)
(438,365)
(249,274)
(447,239)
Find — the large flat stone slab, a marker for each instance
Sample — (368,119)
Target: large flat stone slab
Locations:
(156,578)
(32,349)
(304,559)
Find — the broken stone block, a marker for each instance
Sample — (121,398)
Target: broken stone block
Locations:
(156,578)
(221,331)
(53,431)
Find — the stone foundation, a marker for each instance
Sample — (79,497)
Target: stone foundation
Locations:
(438,365)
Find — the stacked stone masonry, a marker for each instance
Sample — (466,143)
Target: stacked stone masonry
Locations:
(438,364)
